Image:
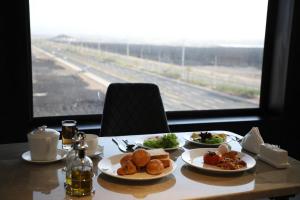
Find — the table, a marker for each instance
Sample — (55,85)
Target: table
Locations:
(22,180)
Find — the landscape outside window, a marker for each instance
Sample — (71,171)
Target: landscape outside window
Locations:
(203,54)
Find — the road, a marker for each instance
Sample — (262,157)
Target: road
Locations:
(90,81)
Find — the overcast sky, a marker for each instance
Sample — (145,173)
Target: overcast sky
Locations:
(158,21)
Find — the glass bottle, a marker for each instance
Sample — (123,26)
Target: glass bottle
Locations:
(81,173)
(72,154)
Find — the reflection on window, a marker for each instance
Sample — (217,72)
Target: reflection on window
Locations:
(203,54)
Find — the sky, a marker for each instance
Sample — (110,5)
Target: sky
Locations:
(152,21)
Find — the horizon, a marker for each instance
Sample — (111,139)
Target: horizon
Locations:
(153,22)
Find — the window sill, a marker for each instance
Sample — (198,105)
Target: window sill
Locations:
(181,125)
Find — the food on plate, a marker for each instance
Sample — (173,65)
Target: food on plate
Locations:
(228,160)
(223,148)
(230,155)
(231,164)
(158,154)
(127,168)
(126,158)
(140,157)
(152,161)
(154,167)
(208,137)
(162,155)
(211,158)
(168,140)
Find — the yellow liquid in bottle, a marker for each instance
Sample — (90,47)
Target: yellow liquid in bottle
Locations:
(81,183)
(68,185)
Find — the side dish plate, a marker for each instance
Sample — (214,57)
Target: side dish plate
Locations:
(110,165)
(194,158)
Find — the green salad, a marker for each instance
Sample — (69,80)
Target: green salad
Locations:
(168,140)
(208,138)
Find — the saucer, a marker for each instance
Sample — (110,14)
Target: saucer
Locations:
(98,151)
(61,154)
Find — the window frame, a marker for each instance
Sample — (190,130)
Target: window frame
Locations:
(268,97)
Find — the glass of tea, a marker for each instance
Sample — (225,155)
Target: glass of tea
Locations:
(67,133)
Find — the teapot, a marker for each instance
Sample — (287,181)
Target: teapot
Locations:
(43,143)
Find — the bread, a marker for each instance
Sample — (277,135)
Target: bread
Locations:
(127,168)
(126,158)
(154,160)
(166,162)
(140,157)
(158,154)
(154,167)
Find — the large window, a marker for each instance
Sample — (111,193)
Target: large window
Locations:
(203,54)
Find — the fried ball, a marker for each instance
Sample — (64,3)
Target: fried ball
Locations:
(121,171)
(140,157)
(125,159)
(127,169)
(130,168)
(154,167)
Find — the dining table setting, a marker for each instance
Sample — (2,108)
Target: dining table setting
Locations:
(216,164)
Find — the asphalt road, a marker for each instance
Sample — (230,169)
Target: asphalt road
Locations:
(71,86)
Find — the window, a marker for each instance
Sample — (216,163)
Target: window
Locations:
(203,55)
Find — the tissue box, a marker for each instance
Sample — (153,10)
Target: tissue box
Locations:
(273,155)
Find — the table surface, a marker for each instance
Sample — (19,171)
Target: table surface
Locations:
(21,179)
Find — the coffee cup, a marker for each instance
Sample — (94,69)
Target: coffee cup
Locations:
(92,141)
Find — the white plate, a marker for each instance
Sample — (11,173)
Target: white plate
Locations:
(141,140)
(98,151)
(188,138)
(194,158)
(61,154)
(110,165)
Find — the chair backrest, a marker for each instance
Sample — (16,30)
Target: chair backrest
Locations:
(133,108)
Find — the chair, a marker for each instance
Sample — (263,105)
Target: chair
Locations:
(133,108)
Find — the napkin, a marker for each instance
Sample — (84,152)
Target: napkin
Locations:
(274,155)
(252,141)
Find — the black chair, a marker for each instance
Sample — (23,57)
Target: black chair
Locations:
(133,108)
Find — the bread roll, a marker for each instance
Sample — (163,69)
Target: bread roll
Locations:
(155,167)
(125,159)
(140,157)
(127,168)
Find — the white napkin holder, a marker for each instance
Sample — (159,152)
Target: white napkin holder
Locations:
(252,141)
(274,155)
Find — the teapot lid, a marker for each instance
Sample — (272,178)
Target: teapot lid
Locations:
(43,131)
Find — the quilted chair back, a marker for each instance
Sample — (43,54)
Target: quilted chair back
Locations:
(133,108)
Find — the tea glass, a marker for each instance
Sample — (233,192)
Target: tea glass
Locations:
(67,133)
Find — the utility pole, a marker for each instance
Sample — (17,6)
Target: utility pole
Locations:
(182,55)
(127,49)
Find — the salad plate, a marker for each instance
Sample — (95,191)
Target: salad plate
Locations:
(192,137)
(194,158)
(110,165)
(153,139)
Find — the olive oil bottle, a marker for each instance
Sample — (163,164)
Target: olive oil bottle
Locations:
(81,177)
(71,156)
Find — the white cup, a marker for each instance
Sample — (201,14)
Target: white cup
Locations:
(92,142)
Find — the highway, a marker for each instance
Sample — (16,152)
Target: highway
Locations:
(176,95)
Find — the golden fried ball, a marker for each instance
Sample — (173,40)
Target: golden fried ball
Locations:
(140,157)
(155,167)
